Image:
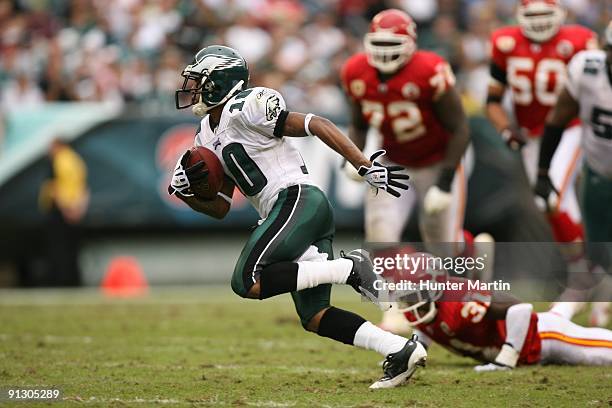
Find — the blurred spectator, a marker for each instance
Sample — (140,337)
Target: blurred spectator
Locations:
(64,198)
(132,50)
(250,40)
(20,93)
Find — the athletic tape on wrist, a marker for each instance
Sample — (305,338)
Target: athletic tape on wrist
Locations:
(307,123)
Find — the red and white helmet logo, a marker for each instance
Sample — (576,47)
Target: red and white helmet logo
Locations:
(540,20)
(391,40)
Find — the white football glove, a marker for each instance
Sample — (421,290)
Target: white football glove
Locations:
(436,200)
(182,178)
(384,177)
(490,367)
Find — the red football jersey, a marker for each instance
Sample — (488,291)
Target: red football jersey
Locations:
(536,71)
(462,328)
(402,107)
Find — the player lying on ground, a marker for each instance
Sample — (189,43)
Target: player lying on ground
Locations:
(290,251)
(497,329)
(587,94)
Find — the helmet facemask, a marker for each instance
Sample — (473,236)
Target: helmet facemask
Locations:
(540,20)
(388,52)
(201,92)
(421,304)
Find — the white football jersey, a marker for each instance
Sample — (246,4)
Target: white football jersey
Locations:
(252,149)
(590,83)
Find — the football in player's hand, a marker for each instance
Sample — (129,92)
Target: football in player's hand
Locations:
(208,186)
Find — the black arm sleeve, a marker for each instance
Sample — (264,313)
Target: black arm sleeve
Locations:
(279,128)
(498,73)
(550,141)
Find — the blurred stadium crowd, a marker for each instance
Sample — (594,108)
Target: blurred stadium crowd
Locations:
(131,51)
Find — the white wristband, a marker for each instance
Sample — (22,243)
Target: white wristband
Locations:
(226,198)
(306,123)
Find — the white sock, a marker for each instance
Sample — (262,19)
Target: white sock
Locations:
(371,337)
(314,273)
(518,318)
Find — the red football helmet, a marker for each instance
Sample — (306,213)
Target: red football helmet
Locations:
(540,20)
(391,40)
(420,300)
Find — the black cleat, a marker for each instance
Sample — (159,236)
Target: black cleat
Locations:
(362,278)
(399,367)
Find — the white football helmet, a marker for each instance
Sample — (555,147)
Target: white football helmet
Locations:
(540,20)
(419,302)
(391,41)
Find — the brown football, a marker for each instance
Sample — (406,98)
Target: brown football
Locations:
(211,185)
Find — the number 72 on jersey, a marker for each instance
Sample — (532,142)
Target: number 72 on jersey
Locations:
(405,118)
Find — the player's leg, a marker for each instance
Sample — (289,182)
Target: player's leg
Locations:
(268,263)
(318,316)
(266,266)
(564,342)
(385,219)
(596,196)
(386,216)
(445,227)
(564,168)
(565,220)
(530,155)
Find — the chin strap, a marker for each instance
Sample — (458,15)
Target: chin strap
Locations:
(200,109)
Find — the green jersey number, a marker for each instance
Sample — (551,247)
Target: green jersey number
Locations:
(247,174)
(240,100)
(601,120)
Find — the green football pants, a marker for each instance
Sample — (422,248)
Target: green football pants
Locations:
(301,217)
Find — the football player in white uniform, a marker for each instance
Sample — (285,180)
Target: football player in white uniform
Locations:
(290,251)
(588,94)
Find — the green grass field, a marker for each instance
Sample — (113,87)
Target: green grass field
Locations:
(207,347)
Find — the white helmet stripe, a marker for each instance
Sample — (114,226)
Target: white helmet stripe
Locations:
(210,63)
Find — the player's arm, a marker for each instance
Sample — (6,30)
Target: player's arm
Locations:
(494,109)
(377,175)
(517,317)
(449,111)
(560,116)
(512,135)
(358,128)
(324,129)
(216,208)
(357,132)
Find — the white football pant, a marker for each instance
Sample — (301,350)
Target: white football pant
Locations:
(386,216)
(565,165)
(564,342)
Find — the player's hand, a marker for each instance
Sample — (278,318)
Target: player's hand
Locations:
(384,177)
(350,171)
(506,360)
(515,138)
(436,200)
(544,188)
(484,368)
(182,178)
